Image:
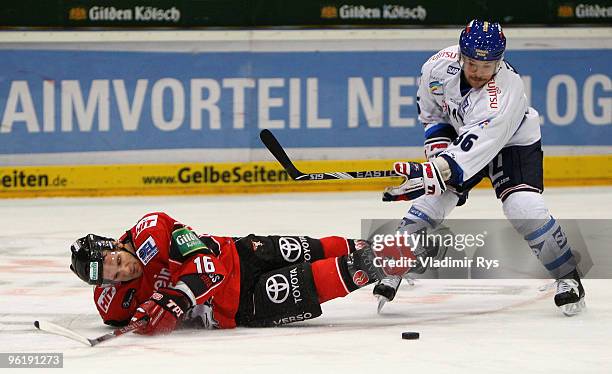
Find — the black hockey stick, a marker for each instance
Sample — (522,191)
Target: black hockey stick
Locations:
(270,141)
(52,328)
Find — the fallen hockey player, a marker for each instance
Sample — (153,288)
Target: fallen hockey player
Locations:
(161,270)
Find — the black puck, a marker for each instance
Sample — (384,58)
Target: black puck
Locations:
(410,335)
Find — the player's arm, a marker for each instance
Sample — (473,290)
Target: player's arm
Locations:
(195,268)
(424,178)
(487,130)
(196,274)
(116,304)
(438,131)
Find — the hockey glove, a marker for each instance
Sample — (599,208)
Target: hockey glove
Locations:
(164,309)
(435,146)
(421,179)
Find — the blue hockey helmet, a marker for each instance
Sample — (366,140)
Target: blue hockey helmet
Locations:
(482,40)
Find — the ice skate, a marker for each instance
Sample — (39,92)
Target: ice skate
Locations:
(386,289)
(570,295)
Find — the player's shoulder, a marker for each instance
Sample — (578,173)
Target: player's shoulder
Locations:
(151,222)
(497,97)
(154,217)
(508,77)
(442,67)
(507,86)
(444,58)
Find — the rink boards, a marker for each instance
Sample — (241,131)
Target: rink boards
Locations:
(105,113)
(206,178)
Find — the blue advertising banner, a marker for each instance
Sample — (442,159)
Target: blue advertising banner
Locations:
(79,101)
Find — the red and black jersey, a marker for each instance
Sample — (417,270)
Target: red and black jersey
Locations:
(211,272)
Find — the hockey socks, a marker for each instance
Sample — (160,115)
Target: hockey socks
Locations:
(336,246)
(339,276)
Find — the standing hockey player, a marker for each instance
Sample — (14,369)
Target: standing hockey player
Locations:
(477,123)
(161,270)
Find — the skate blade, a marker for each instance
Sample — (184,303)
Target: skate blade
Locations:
(381,303)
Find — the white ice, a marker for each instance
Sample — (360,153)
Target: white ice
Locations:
(466,326)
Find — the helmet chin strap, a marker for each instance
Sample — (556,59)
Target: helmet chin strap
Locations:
(133,254)
(499,62)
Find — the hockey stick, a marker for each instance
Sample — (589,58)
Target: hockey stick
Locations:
(270,141)
(52,328)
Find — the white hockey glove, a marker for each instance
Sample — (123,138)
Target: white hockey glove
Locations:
(421,179)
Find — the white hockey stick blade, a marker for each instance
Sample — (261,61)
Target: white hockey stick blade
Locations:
(52,328)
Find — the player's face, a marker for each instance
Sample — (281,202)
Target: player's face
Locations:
(478,73)
(120,266)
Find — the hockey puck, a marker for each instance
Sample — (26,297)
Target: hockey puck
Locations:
(410,335)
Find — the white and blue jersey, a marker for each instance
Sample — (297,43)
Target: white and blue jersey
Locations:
(485,119)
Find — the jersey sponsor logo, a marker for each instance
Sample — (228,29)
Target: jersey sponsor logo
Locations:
(147,250)
(493,91)
(290,319)
(106,297)
(162,279)
(295,286)
(277,288)
(145,223)
(290,248)
(452,70)
(360,278)
(255,245)
(127,299)
(187,241)
(465,104)
(444,54)
(435,87)
(305,247)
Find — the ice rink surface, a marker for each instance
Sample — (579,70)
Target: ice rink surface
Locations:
(466,326)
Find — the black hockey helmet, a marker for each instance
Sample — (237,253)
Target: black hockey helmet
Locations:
(88,259)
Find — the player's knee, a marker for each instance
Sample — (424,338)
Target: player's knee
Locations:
(284,296)
(526,211)
(437,207)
